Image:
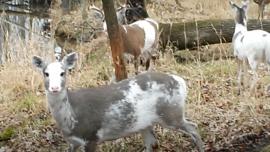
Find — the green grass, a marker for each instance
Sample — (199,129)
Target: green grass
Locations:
(7,133)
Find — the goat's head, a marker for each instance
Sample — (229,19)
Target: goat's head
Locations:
(96,12)
(121,14)
(240,12)
(55,72)
(134,14)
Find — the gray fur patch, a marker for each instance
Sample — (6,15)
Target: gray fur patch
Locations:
(62,112)
(146,82)
(264,35)
(171,113)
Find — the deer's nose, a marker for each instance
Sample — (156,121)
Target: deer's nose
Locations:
(55,89)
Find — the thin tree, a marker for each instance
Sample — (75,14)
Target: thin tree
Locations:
(116,41)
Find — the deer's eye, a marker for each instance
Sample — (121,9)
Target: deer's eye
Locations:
(46,74)
(62,74)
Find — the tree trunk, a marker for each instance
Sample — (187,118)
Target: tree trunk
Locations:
(116,41)
(191,35)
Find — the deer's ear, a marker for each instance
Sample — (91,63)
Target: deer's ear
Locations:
(70,60)
(233,5)
(245,5)
(38,62)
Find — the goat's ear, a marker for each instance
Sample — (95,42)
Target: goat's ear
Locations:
(70,60)
(38,62)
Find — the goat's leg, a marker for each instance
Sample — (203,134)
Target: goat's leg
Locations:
(240,74)
(90,147)
(262,9)
(149,139)
(259,12)
(245,74)
(147,64)
(253,65)
(136,65)
(254,81)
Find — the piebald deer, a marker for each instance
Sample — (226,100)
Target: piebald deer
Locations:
(261,7)
(90,116)
(252,46)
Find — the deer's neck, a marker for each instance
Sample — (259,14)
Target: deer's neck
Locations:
(62,111)
(239,31)
(240,28)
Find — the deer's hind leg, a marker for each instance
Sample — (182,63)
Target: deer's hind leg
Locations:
(173,117)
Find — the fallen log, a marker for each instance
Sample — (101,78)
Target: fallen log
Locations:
(191,35)
(185,35)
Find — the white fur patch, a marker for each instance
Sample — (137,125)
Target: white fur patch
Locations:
(145,104)
(152,21)
(150,33)
(181,93)
(55,79)
(252,45)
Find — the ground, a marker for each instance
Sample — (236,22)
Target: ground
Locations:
(226,121)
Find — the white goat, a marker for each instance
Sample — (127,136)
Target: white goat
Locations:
(253,46)
(92,115)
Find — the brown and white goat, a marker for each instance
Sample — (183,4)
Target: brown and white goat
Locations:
(140,38)
(92,115)
(141,41)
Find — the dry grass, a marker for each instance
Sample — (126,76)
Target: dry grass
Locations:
(195,10)
(212,102)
